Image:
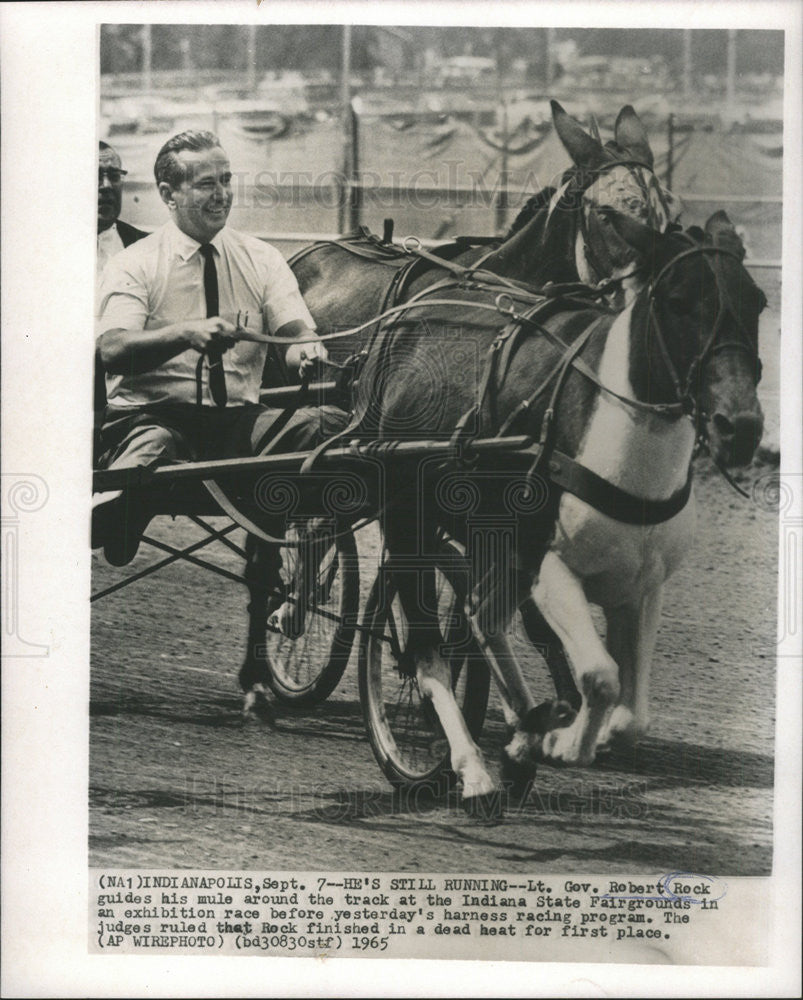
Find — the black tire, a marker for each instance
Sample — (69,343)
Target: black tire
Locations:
(305,671)
(405,734)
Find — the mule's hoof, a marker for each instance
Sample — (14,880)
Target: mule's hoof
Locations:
(561,748)
(518,778)
(253,673)
(484,808)
(256,705)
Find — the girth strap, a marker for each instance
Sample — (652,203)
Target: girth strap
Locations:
(610,500)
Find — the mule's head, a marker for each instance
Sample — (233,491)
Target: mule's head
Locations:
(617,175)
(700,310)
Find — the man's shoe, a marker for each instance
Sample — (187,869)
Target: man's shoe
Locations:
(105,516)
(118,525)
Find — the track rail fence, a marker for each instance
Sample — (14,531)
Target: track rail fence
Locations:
(344,198)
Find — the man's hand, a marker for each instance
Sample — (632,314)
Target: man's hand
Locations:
(214,331)
(300,357)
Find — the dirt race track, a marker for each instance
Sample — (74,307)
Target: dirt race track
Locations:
(178,780)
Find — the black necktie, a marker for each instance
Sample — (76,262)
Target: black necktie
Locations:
(217,377)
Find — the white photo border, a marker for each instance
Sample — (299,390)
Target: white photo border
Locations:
(49,92)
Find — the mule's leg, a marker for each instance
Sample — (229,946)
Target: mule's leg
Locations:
(527,723)
(435,682)
(416,589)
(411,548)
(306,428)
(517,700)
(262,563)
(551,649)
(560,596)
(622,628)
(631,641)
(303,559)
(650,618)
(489,622)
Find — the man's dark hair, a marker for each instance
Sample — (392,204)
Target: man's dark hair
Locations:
(168,167)
(104,145)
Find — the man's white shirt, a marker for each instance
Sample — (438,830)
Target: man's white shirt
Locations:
(159,280)
(109,244)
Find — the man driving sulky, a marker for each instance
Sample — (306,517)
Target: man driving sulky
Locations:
(179,311)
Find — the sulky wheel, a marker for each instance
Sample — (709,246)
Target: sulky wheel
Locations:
(306,669)
(403,728)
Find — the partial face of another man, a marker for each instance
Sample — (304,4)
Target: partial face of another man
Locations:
(202,202)
(110,188)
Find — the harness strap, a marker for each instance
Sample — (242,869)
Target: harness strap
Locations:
(724,306)
(465,273)
(665,358)
(399,284)
(596,252)
(464,431)
(546,441)
(478,241)
(669,410)
(728,477)
(497,362)
(412,245)
(526,404)
(276,428)
(611,500)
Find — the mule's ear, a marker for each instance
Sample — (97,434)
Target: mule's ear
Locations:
(641,238)
(720,231)
(630,134)
(586,153)
(593,128)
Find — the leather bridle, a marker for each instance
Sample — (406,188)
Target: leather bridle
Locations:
(596,253)
(712,345)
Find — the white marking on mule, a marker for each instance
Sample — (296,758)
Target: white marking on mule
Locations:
(631,642)
(643,453)
(581,262)
(521,746)
(559,595)
(619,189)
(554,201)
(619,566)
(435,682)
